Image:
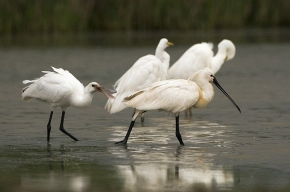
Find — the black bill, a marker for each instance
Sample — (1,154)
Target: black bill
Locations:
(222,90)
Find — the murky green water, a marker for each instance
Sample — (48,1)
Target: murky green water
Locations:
(224,150)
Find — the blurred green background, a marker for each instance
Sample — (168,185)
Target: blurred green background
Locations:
(54,16)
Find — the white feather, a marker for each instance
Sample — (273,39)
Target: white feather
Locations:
(200,56)
(146,70)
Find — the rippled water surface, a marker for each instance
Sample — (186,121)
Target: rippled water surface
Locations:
(224,150)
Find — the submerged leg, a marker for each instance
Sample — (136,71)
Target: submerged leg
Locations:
(124,141)
(185,113)
(61,128)
(177,133)
(190,112)
(49,126)
(143,118)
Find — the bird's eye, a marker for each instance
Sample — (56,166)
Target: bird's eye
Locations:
(211,75)
(93,85)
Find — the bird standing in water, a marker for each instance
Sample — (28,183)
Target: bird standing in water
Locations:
(175,96)
(146,70)
(61,89)
(200,56)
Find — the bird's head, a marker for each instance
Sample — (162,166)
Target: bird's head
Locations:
(165,43)
(94,86)
(206,75)
(229,47)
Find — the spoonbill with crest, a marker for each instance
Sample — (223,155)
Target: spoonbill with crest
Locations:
(200,56)
(175,96)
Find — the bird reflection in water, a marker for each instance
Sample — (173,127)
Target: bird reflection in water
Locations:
(171,173)
(55,180)
(164,166)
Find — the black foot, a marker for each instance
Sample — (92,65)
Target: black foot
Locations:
(180,139)
(123,142)
(67,133)
(74,138)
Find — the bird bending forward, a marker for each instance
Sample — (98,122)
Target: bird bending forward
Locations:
(61,89)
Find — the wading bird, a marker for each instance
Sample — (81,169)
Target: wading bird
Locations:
(200,56)
(146,70)
(61,89)
(175,96)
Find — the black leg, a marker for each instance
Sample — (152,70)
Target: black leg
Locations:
(49,126)
(124,141)
(61,128)
(135,115)
(177,133)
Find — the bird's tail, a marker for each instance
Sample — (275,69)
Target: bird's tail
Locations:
(28,81)
(24,97)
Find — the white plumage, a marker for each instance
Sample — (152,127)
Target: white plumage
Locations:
(200,56)
(175,95)
(61,89)
(163,95)
(146,70)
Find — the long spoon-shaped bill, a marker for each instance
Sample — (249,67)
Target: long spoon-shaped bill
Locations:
(108,92)
(222,90)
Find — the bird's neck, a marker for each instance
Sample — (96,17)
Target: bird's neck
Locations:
(165,60)
(206,95)
(82,100)
(159,52)
(218,60)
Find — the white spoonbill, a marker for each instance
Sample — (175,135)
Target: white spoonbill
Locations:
(200,56)
(146,70)
(61,89)
(174,95)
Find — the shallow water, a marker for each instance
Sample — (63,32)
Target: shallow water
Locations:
(224,150)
